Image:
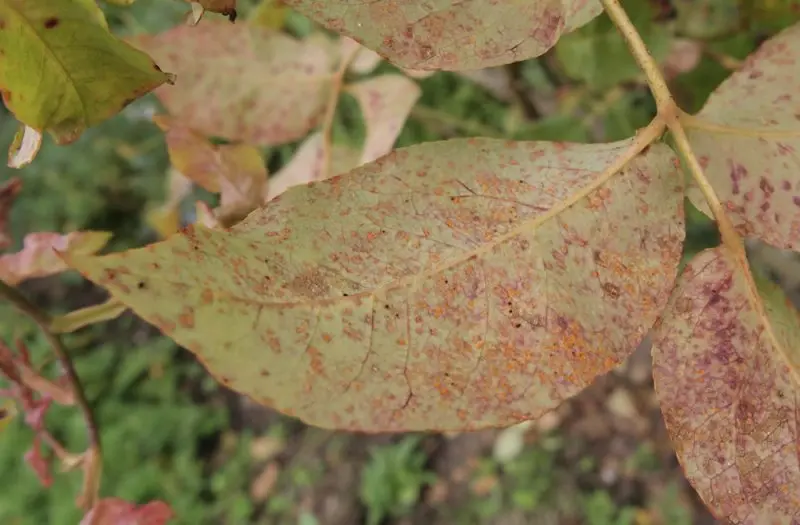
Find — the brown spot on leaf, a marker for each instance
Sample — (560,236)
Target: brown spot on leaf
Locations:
(51,22)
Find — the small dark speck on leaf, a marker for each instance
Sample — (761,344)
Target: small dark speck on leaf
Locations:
(51,22)
(141,285)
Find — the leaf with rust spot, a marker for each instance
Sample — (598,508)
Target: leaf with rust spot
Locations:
(451,285)
(726,363)
(38,257)
(242,82)
(442,34)
(385,103)
(61,69)
(747,138)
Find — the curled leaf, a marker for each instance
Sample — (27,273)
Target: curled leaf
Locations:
(451,285)
(726,365)
(242,82)
(385,104)
(38,257)
(82,74)
(223,7)
(24,147)
(747,138)
(470,34)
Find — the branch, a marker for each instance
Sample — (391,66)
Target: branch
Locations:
(43,320)
(672,115)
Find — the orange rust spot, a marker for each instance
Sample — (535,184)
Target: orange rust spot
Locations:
(186,318)
(207,296)
(327,337)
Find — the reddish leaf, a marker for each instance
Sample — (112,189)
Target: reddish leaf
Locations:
(33,457)
(115,511)
(38,257)
(452,285)
(726,370)
(747,138)
(242,82)
(385,104)
(469,34)
(8,192)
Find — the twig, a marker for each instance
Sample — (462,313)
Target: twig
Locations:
(728,62)
(43,320)
(330,109)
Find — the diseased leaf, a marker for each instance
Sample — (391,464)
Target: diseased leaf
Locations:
(451,285)
(385,103)
(747,138)
(442,34)
(8,193)
(63,71)
(307,165)
(726,363)
(115,511)
(242,82)
(38,256)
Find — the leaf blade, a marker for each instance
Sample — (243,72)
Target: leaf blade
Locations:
(728,398)
(749,153)
(453,36)
(405,314)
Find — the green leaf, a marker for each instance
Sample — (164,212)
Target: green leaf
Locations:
(451,285)
(747,139)
(598,55)
(450,35)
(726,363)
(242,82)
(62,70)
(707,19)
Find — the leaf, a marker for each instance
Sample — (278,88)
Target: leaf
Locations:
(385,103)
(470,34)
(115,511)
(307,165)
(235,171)
(24,147)
(8,193)
(82,75)
(450,285)
(707,19)
(242,82)
(725,364)
(38,257)
(746,138)
(166,218)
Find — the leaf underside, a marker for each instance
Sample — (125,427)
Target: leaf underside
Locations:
(450,285)
(750,155)
(726,379)
(442,34)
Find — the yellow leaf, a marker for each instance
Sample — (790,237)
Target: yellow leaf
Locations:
(269,13)
(63,71)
